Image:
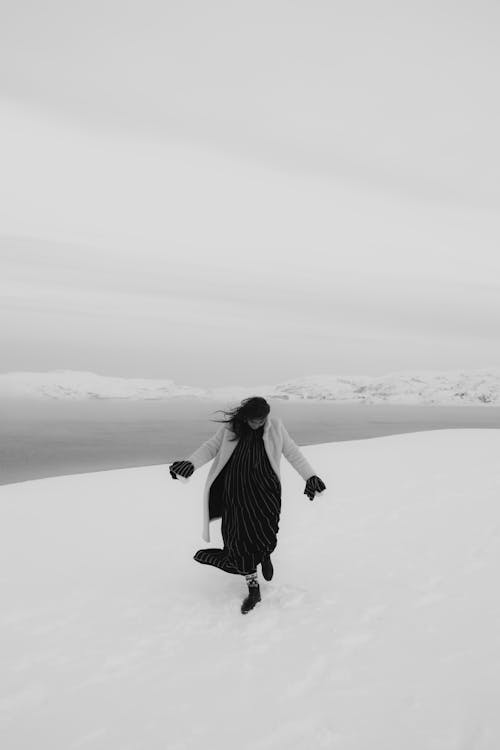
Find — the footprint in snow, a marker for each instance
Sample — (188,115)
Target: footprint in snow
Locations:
(287,596)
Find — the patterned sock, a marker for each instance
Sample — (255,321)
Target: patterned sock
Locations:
(252,579)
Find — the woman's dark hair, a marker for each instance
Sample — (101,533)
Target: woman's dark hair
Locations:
(250,408)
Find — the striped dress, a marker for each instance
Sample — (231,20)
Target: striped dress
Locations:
(251,506)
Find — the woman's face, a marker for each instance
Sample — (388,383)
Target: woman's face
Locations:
(256,422)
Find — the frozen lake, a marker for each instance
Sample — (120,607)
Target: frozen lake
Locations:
(51,438)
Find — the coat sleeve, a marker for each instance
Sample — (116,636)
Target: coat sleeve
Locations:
(208,450)
(294,455)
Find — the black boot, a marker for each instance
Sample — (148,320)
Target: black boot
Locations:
(252,599)
(253,593)
(267,567)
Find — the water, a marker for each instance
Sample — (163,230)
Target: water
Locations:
(52,438)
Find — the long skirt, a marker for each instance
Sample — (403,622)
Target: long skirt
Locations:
(251,507)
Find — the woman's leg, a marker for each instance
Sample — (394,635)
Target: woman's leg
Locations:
(253,597)
(252,579)
(267,567)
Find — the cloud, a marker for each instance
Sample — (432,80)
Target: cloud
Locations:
(389,96)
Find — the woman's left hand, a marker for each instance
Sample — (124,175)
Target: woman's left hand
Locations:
(314,484)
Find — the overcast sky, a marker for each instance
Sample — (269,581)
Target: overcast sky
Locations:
(225,192)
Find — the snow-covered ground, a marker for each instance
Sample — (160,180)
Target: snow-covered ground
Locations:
(478,387)
(379,631)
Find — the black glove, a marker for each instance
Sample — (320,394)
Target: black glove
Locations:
(314,484)
(184,468)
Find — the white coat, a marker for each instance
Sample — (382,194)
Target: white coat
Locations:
(277,441)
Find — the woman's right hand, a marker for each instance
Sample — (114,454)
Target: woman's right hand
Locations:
(184,468)
(314,484)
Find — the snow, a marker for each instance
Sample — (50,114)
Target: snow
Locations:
(471,387)
(380,628)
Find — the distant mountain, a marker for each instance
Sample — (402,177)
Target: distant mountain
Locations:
(478,387)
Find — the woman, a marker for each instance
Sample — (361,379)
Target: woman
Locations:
(243,488)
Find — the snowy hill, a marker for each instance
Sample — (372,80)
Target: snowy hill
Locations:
(478,387)
(380,629)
